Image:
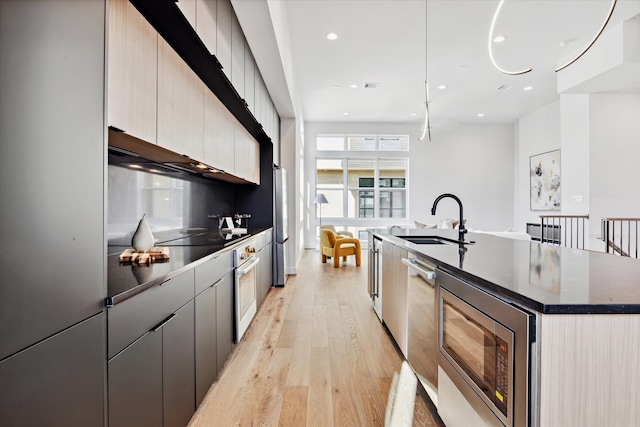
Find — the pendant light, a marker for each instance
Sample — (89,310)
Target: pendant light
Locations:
(426,131)
(562,67)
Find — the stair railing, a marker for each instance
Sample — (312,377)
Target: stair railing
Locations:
(563,230)
(620,236)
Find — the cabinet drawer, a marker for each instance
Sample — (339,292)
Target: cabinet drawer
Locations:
(133,317)
(260,241)
(268,236)
(212,270)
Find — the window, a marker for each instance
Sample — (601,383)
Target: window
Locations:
(369,180)
(362,143)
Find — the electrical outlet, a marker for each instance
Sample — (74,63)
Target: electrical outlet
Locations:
(576,199)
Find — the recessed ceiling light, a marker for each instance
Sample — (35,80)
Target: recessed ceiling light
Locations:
(442,87)
(336,86)
(413,114)
(135,166)
(499,39)
(463,67)
(353,86)
(480,114)
(332,36)
(527,88)
(345,114)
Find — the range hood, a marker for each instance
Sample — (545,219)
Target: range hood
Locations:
(129,151)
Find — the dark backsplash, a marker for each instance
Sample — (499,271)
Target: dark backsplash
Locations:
(169,201)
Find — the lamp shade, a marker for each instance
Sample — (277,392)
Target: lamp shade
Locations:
(320,199)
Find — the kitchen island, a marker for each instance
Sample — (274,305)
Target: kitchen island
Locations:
(586,306)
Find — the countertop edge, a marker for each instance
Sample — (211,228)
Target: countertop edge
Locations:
(508,295)
(111,301)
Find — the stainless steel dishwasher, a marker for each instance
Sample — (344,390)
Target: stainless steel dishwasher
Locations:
(422,325)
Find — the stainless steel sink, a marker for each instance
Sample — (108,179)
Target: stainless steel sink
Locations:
(424,240)
(432,240)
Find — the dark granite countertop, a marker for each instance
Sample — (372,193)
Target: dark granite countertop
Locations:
(548,279)
(186,250)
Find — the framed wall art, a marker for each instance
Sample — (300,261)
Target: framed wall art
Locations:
(544,171)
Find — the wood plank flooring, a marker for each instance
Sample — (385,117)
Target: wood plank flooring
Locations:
(315,355)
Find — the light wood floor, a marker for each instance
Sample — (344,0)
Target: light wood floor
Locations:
(315,355)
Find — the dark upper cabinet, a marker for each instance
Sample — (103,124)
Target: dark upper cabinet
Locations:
(59,381)
(52,221)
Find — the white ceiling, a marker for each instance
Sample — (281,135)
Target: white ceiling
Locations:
(388,42)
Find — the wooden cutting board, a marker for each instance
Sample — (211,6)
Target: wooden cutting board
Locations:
(156,254)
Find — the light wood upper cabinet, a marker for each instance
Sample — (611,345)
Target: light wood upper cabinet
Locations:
(249,79)
(224,12)
(206,26)
(188,9)
(247,156)
(180,104)
(132,71)
(238,44)
(218,134)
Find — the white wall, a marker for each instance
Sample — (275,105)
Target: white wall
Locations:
(475,162)
(599,138)
(614,157)
(538,132)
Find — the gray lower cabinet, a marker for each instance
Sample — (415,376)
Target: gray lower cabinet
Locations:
(214,333)
(135,384)
(266,275)
(206,346)
(59,381)
(224,320)
(178,376)
(152,382)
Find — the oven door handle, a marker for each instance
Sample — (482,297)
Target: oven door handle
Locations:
(251,265)
(429,274)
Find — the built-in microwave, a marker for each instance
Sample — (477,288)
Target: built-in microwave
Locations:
(484,346)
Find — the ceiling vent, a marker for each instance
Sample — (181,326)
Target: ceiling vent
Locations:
(371,85)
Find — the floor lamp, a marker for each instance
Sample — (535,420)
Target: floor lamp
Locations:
(319,200)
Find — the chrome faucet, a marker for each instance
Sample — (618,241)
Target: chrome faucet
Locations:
(461,228)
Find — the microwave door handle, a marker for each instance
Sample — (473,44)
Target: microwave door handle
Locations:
(430,275)
(244,270)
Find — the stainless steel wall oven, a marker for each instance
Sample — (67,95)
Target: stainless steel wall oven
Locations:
(484,346)
(245,307)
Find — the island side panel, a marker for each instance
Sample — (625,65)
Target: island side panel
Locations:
(589,370)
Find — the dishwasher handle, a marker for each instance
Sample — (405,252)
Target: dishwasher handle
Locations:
(411,263)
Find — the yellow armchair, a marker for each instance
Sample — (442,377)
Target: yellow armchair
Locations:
(333,229)
(334,246)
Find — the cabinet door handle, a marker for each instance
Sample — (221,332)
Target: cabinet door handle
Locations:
(217,282)
(161,324)
(429,274)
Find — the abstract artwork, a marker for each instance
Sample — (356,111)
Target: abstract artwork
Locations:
(544,171)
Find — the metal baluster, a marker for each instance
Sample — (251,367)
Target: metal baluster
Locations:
(628,238)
